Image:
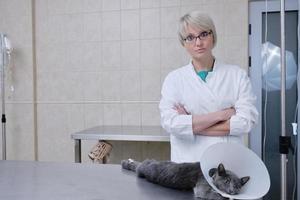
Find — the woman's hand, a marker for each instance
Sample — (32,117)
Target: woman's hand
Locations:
(180,109)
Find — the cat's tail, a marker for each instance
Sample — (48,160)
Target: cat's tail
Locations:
(130,164)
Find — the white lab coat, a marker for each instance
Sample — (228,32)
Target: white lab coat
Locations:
(226,86)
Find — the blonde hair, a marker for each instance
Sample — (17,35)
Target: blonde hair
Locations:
(197,20)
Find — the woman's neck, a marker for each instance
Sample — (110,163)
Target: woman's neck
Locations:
(203,64)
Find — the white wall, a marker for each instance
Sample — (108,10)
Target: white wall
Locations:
(101,62)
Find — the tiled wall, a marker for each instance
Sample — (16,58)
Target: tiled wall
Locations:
(101,62)
(15,20)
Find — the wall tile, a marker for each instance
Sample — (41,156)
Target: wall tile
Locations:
(150,85)
(219,49)
(56,30)
(15,8)
(54,134)
(56,7)
(111,55)
(93,115)
(191,7)
(130,24)
(19,132)
(112,114)
(21,57)
(191,2)
(234,52)
(111,27)
(91,84)
(163,74)
(50,57)
(173,54)
(72,87)
(58,86)
(92,27)
(41,8)
(74,6)
(221,2)
(13,30)
(92,5)
(74,56)
(131,114)
(45,90)
(74,27)
(150,23)
(92,56)
(236,25)
(150,114)
(130,4)
(150,3)
(111,5)
(130,85)
(75,117)
(111,88)
(150,54)
(169,22)
(130,54)
(167,3)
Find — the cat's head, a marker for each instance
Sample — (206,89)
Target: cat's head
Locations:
(227,181)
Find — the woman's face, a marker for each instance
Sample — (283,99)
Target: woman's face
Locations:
(199,48)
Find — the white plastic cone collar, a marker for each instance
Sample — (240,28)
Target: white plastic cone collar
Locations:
(243,162)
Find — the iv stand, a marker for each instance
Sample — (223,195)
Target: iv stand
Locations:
(283,138)
(3,119)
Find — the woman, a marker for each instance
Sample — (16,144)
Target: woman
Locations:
(206,101)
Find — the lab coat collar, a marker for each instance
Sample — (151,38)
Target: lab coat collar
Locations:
(215,67)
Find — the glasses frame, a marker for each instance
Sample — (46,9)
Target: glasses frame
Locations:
(200,37)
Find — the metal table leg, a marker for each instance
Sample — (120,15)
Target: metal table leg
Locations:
(77,150)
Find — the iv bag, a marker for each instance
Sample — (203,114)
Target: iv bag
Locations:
(5,50)
(271,67)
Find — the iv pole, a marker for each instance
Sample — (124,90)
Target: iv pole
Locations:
(2,65)
(284,140)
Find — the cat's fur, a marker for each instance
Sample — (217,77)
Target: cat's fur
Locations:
(187,176)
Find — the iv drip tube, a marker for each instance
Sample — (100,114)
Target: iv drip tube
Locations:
(2,65)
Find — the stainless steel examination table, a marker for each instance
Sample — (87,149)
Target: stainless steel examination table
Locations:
(119,133)
(29,180)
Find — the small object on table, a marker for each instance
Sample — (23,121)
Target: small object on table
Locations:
(100,152)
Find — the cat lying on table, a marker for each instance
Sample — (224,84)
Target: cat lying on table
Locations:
(186,176)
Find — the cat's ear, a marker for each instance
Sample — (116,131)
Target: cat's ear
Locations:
(212,171)
(245,179)
(221,170)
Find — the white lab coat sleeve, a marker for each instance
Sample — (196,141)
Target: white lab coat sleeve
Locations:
(246,113)
(175,124)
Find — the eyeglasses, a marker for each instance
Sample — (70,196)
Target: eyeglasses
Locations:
(202,36)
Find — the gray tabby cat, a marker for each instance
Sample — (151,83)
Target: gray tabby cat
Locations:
(187,176)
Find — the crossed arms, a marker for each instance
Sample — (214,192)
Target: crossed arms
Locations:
(210,124)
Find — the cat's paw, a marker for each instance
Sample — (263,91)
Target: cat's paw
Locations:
(127,164)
